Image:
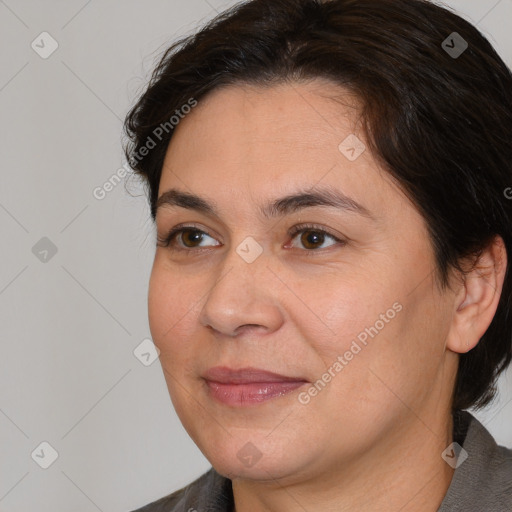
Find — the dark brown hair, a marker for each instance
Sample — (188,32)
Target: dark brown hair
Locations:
(439,122)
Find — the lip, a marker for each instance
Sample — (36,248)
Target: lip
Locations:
(248,386)
(248,375)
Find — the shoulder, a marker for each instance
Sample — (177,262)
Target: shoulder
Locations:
(211,491)
(483,479)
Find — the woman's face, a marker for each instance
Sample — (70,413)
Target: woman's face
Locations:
(297,256)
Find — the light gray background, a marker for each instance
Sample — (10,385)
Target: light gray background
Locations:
(69,326)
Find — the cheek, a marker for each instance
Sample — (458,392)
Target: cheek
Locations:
(373,324)
(338,308)
(173,302)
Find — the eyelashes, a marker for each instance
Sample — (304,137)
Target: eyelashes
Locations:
(190,237)
(168,240)
(312,235)
(193,235)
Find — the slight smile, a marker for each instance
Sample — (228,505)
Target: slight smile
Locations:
(248,386)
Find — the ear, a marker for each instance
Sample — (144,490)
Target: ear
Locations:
(477,297)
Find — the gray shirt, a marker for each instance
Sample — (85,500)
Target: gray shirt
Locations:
(482,483)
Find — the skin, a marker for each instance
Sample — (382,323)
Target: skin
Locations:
(372,438)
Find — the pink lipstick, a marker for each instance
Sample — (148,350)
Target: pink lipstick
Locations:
(248,386)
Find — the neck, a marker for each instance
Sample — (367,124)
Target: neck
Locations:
(403,472)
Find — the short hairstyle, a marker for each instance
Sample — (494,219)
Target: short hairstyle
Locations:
(438,121)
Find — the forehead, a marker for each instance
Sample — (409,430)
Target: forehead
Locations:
(244,140)
(298,113)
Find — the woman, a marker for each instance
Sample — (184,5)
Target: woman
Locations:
(331,287)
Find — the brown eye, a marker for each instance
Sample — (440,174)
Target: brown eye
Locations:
(187,238)
(312,239)
(191,237)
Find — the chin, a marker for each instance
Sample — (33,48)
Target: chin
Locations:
(270,469)
(256,457)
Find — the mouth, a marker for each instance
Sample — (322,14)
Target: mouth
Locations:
(248,386)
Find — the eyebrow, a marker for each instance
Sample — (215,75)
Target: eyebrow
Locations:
(316,196)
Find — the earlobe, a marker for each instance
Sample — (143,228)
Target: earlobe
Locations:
(478,297)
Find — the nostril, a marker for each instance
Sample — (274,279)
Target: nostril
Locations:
(249,327)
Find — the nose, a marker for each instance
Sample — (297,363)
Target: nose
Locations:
(243,298)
